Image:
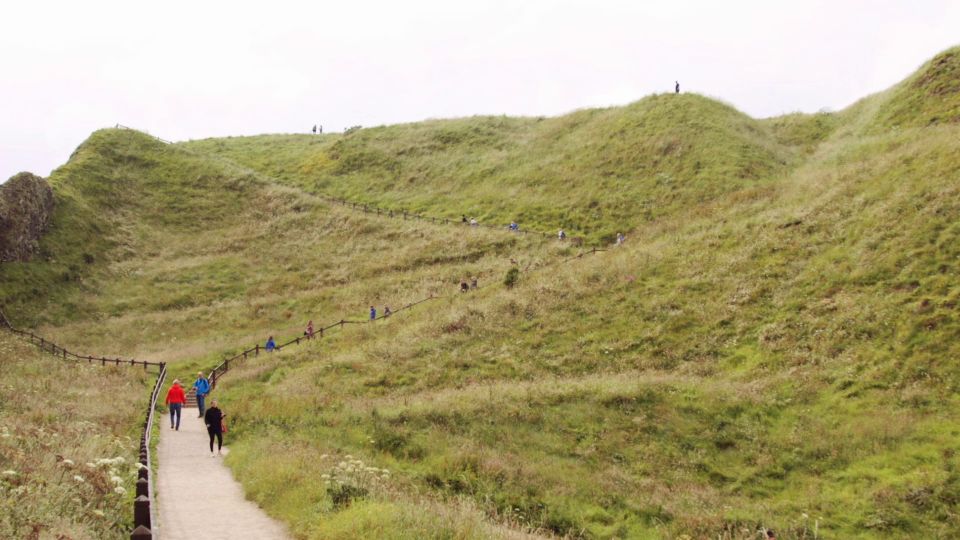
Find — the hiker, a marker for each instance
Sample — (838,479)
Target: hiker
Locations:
(473,222)
(676,89)
(309,331)
(214,421)
(463,219)
(175,399)
(386,311)
(514,226)
(562,235)
(320,129)
(463,286)
(314,129)
(771,535)
(271,344)
(373,313)
(202,386)
(473,283)
(620,238)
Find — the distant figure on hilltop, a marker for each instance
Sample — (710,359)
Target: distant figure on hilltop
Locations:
(309,331)
(677,87)
(463,286)
(473,283)
(620,239)
(320,130)
(561,235)
(373,313)
(314,129)
(271,344)
(473,222)
(386,311)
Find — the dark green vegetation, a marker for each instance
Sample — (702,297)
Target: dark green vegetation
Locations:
(774,346)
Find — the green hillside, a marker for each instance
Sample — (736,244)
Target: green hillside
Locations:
(773,347)
(593,172)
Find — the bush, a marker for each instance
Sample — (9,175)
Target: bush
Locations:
(511,278)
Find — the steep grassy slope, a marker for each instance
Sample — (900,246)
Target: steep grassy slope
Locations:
(593,172)
(773,347)
(789,359)
(66,450)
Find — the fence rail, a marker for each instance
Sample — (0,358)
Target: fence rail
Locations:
(144,509)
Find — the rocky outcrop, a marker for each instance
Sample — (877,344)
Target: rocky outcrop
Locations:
(26,207)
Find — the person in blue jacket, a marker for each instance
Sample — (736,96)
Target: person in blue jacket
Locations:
(202,386)
(271,344)
(373,313)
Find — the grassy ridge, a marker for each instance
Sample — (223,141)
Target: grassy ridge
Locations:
(592,172)
(771,348)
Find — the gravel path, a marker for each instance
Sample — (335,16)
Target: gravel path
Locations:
(197,496)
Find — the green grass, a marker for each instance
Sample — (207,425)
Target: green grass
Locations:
(68,444)
(772,347)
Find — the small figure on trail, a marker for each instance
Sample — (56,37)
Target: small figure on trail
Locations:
(175,399)
(271,345)
(620,238)
(463,219)
(473,283)
(214,421)
(562,235)
(676,89)
(309,331)
(202,386)
(473,222)
(386,311)
(463,286)
(373,313)
(514,227)
(320,129)
(314,129)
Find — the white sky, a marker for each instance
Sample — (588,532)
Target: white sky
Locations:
(194,69)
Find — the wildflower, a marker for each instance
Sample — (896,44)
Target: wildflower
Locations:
(9,472)
(67,463)
(324,456)
(91,465)
(78,478)
(98,513)
(116,479)
(119,490)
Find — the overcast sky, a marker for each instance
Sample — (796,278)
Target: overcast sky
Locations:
(197,69)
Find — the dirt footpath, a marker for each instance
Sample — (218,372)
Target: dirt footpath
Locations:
(197,496)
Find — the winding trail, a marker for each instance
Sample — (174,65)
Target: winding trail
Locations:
(197,495)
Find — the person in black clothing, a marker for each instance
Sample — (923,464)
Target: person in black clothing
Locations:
(213,418)
(677,87)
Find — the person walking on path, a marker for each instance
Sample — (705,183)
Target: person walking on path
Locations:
(202,385)
(271,344)
(309,331)
(386,311)
(175,400)
(214,421)
(676,88)
(373,313)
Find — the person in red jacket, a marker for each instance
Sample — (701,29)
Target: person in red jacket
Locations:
(175,399)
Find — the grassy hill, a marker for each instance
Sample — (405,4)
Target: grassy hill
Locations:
(773,346)
(592,172)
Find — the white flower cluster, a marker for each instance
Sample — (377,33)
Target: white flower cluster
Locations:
(355,472)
